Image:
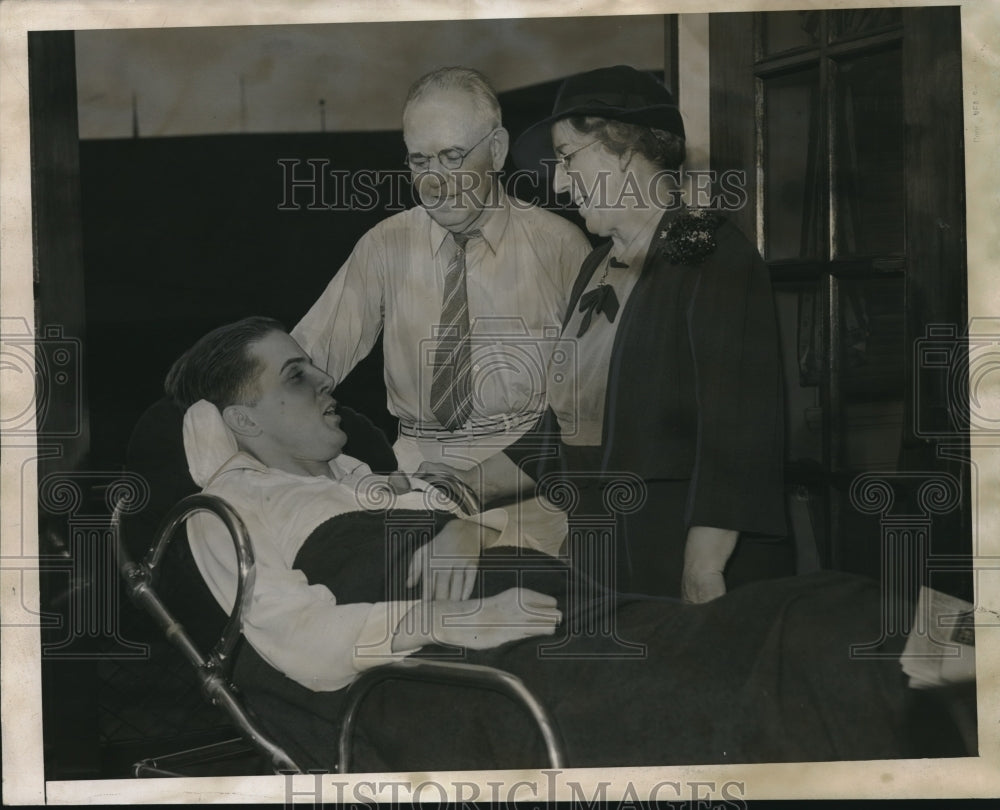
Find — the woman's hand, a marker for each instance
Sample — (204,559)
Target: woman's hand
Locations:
(705,556)
(448,564)
(514,614)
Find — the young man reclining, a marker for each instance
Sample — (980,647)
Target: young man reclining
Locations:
(353,572)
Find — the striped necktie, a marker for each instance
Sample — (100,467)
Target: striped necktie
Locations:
(451,386)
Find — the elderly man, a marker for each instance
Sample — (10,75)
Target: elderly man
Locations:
(469,286)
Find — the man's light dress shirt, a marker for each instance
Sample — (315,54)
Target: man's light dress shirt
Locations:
(519,277)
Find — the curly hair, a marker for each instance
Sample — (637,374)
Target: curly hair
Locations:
(220,367)
(661,148)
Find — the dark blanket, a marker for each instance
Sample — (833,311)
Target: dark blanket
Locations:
(761,675)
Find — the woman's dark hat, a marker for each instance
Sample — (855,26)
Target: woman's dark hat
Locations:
(620,93)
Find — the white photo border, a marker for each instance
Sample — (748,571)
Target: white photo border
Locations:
(23,775)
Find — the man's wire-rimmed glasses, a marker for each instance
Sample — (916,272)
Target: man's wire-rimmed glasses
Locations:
(448,158)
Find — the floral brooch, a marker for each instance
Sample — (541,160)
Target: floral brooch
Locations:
(690,239)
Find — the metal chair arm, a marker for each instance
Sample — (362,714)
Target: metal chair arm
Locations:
(141,577)
(448,672)
(214,671)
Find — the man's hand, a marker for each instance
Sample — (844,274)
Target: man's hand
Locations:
(399,483)
(514,614)
(705,556)
(468,477)
(496,477)
(454,484)
(448,564)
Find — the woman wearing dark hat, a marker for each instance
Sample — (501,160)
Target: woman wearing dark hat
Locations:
(677,389)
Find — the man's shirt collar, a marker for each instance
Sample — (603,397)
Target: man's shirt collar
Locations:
(342,466)
(492,224)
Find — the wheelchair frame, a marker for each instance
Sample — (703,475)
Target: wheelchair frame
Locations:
(214,670)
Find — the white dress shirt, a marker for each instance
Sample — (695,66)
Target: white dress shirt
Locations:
(299,628)
(519,277)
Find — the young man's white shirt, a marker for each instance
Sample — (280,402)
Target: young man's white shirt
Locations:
(299,628)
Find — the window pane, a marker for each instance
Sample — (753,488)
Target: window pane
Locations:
(871,338)
(785,30)
(856,21)
(869,156)
(800,323)
(792,201)
(873,362)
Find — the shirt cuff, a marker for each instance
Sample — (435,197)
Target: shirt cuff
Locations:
(373,646)
(531,523)
(499,520)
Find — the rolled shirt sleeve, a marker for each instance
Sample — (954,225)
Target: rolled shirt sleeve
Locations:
(298,628)
(340,329)
(518,281)
(301,630)
(528,523)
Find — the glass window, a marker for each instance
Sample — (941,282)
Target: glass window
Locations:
(792,201)
(871,337)
(800,341)
(868,190)
(788,30)
(856,21)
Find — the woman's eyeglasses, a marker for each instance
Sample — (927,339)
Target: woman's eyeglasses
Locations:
(563,160)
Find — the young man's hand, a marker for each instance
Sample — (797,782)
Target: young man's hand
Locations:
(514,614)
(447,566)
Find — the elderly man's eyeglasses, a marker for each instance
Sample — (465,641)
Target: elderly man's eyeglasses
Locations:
(563,159)
(448,158)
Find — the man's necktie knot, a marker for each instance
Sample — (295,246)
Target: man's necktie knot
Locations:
(462,239)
